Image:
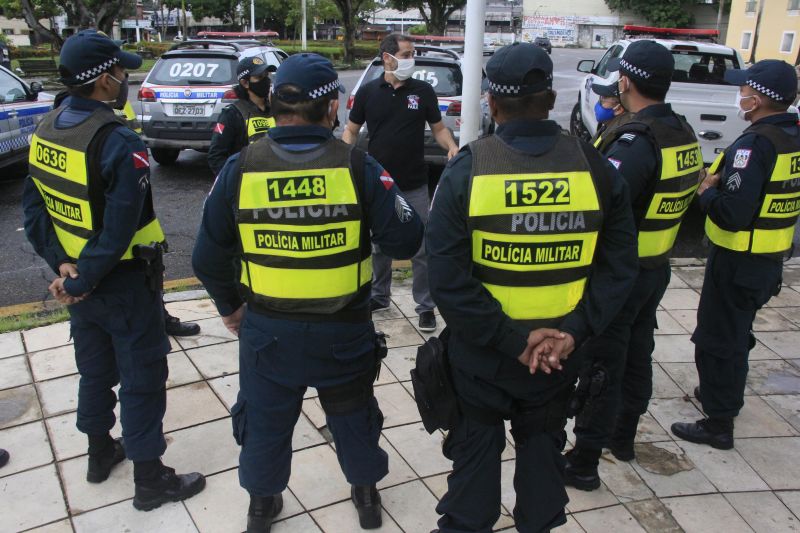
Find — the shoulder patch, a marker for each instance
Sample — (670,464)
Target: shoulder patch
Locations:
(140,160)
(615,162)
(402,209)
(386,180)
(219,128)
(733,182)
(627,138)
(742,158)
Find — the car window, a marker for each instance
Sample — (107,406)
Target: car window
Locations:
(446,80)
(194,71)
(11,90)
(272,58)
(698,67)
(602,67)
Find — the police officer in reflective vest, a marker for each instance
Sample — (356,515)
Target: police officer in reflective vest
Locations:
(752,198)
(658,155)
(296,208)
(530,230)
(88,212)
(609,112)
(247,119)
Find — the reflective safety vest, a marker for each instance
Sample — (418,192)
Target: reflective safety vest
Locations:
(773,229)
(130,118)
(67,176)
(304,241)
(679,163)
(534,223)
(258,122)
(605,134)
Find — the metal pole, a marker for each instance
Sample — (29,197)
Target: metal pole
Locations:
(719,14)
(252,15)
(472,65)
(303,43)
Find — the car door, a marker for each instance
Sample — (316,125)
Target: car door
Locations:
(12,93)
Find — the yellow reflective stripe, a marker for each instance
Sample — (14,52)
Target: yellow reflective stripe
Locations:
(292,284)
(772,241)
(149,234)
(292,242)
(68,209)
(530,303)
(670,205)
(256,125)
(588,243)
(787,167)
(58,160)
(716,166)
(680,160)
(72,244)
(253,191)
(489,195)
(598,142)
(655,243)
(738,241)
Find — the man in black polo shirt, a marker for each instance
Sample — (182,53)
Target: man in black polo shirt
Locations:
(396,108)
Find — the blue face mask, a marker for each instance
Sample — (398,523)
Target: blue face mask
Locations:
(602,114)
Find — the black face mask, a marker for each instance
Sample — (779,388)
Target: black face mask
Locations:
(261,87)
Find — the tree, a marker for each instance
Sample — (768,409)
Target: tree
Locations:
(351,10)
(437,12)
(664,13)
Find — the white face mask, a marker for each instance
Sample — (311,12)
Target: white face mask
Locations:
(739,111)
(405,68)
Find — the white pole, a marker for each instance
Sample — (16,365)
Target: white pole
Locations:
(472,65)
(303,43)
(252,15)
(137,31)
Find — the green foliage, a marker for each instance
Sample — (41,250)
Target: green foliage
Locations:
(420,29)
(435,13)
(664,13)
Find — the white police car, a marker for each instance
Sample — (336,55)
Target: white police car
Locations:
(22,106)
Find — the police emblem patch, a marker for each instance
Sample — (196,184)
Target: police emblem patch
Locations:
(403,210)
(733,182)
(742,158)
(413,101)
(258,61)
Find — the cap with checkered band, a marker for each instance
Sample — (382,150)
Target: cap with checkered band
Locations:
(251,66)
(509,65)
(89,53)
(312,74)
(645,61)
(771,77)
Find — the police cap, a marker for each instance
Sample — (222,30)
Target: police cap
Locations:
(771,77)
(645,61)
(311,73)
(607,87)
(89,53)
(508,67)
(251,66)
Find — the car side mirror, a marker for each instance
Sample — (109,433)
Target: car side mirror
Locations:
(586,66)
(36,88)
(272,68)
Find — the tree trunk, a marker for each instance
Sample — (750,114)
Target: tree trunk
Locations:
(436,22)
(47,34)
(348,12)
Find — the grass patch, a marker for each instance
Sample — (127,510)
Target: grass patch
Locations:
(402,274)
(183,287)
(33,319)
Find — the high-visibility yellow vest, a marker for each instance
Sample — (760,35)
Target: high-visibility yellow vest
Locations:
(258,122)
(534,224)
(70,185)
(130,118)
(773,229)
(305,245)
(679,163)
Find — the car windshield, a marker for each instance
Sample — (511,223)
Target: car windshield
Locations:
(698,67)
(446,80)
(194,71)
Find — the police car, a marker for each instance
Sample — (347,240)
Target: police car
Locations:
(184,93)
(22,106)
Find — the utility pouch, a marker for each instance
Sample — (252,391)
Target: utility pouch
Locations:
(433,385)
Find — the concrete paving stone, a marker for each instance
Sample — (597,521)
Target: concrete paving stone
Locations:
(27,446)
(774,459)
(412,506)
(169,518)
(401,360)
(680,299)
(385,377)
(691,276)
(11,344)
(788,297)
(726,469)
(305,434)
(390,313)
(617,519)
(406,304)
(622,480)
(397,405)
(663,384)
(62,526)
(788,406)
(193,310)
(772,320)
(789,313)
(227,388)
(190,405)
(791,276)
(84,496)
(703,513)
(174,346)
(59,395)
(667,325)
(437,484)
(687,318)
(65,438)
(212,331)
(14,372)
(53,363)
(46,337)
(670,410)
(313,410)
(673,349)
(343,517)
(30,499)
(298,524)
(399,470)
(675,280)
(222,506)
(762,353)
(773,377)
(402,286)
(208,448)
(317,479)
(581,500)
(650,431)
(758,419)
(668,471)
(187,295)
(400,331)
(764,512)
(216,360)
(684,375)
(784,343)
(421,450)
(19,405)
(790,499)
(570,527)
(181,370)
(653,515)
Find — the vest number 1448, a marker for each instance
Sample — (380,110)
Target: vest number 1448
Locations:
(296,188)
(537,192)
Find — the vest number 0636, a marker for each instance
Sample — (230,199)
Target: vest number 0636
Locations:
(537,192)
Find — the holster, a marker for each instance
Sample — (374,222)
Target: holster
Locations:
(434,392)
(585,402)
(153,256)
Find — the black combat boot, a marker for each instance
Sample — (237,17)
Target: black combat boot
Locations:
(623,437)
(368,504)
(176,328)
(157,484)
(261,512)
(697,394)
(4,457)
(716,432)
(103,457)
(581,469)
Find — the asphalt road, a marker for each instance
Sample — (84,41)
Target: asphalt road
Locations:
(179,191)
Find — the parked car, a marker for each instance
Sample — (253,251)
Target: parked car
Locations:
(5,56)
(441,68)
(22,107)
(185,91)
(544,42)
(698,90)
(489,47)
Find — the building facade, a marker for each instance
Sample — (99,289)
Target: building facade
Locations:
(765,29)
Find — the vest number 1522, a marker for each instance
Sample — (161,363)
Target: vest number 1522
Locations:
(536,192)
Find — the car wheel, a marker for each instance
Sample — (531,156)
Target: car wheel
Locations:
(576,126)
(165,156)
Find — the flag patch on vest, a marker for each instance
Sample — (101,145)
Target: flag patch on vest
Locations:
(140,160)
(734,182)
(219,128)
(615,162)
(387,180)
(742,158)
(531,253)
(305,241)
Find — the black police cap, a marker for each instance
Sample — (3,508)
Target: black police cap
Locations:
(251,66)
(607,88)
(509,65)
(645,61)
(313,74)
(771,77)
(89,53)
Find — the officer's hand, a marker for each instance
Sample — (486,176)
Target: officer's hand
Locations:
(68,270)
(550,353)
(61,295)
(452,152)
(535,339)
(234,320)
(711,180)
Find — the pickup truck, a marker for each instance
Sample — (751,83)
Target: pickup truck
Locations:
(698,90)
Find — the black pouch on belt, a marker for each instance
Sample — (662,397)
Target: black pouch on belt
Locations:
(433,385)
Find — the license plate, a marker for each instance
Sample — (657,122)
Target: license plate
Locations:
(190,110)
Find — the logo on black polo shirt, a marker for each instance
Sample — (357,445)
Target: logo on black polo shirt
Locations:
(413,101)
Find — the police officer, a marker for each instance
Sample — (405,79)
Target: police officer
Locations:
(88,209)
(609,113)
(530,229)
(658,155)
(296,208)
(752,199)
(246,120)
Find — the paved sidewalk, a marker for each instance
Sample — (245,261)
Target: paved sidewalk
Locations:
(674,486)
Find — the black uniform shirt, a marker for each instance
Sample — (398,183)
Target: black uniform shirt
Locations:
(396,122)
(228,138)
(484,337)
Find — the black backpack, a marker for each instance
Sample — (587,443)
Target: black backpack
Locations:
(433,385)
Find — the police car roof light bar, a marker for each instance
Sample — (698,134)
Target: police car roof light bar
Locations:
(437,50)
(206,44)
(631,30)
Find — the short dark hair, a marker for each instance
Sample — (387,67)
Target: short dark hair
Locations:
(391,43)
(312,111)
(530,106)
(774,105)
(652,91)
